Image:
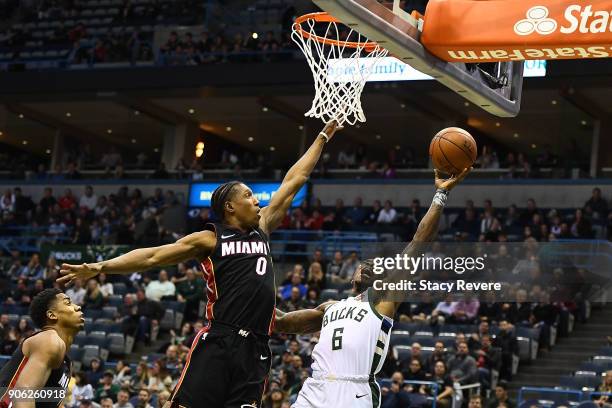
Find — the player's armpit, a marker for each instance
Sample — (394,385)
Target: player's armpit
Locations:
(299,322)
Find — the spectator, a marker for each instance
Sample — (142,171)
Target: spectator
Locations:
(296,281)
(71,172)
(93,296)
(123,400)
(191,292)
(162,398)
(488,358)
(605,387)
(48,201)
(56,228)
(475,401)
(122,374)
(149,313)
(415,372)
(159,379)
(105,287)
(81,390)
(388,214)
(445,385)
(581,227)
(334,267)
(140,379)
(33,270)
(507,342)
(76,293)
(357,214)
(162,288)
(465,311)
(88,200)
(439,354)
(501,397)
(24,328)
(597,204)
(374,213)
(316,277)
(144,396)
(396,396)
(161,172)
(106,403)
(67,202)
(349,266)
(295,301)
(95,372)
(462,366)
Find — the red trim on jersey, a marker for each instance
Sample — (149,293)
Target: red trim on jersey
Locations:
(211,287)
(5,401)
(273,320)
(193,345)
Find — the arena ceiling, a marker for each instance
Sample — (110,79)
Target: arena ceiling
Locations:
(553,114)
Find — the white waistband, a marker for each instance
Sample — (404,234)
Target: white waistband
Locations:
(323,376)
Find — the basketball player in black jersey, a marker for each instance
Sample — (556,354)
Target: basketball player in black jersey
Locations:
(41,360)
(229,359)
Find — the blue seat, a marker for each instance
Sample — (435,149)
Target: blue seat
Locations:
(568,381)
(119,288)
(329,294)
(92,313)
(400,337)
(115,300)
(109,312)
(76,353)
(606,351)
(530,333)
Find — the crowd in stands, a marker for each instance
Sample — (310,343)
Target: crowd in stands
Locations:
(485,338)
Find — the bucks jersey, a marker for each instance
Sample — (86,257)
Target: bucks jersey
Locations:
(354,339)
(10,372)
(352,347)
(240,279)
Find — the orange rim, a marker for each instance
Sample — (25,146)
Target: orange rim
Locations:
(323,17)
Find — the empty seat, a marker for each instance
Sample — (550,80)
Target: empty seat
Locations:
(115,300)
(168,320)
(116,343)
(119,288)
(89,353)
(80,339)
(402,353)
(109,312)
(400,337)
(329,294)
(76,353)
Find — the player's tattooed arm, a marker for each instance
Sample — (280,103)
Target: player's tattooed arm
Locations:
(296,177)
(426,232)
(197,245)
(304,321)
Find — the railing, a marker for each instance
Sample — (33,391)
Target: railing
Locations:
(559,395)
(434,386)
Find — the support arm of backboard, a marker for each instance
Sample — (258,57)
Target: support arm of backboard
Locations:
(401,37)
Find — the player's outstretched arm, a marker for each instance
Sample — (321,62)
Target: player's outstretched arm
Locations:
(426,231)
(196,245)
(304,321)
(296,177)
(45,352)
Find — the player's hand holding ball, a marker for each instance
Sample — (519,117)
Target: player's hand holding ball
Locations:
(453,151)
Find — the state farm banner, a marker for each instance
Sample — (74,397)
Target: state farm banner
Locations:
(514,30)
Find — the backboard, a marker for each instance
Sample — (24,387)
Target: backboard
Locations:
(496,87)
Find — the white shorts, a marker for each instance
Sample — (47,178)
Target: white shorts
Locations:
(325,394)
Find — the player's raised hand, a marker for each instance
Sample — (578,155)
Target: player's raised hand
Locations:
(450,183)
(331,128)
(72,272)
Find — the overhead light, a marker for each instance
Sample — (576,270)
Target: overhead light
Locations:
(497,124)
(156,150)
(516,135)
(1,133)
(583,123)
(136,112)
(554,102)
(533,146)
(68,114)
(25,142)
(250,139)
(21,116)
(200,145)
(48,151)
(397,147)
(265,109)
(133,140)
(466,104)
(255,36)
(109,131)
(228,129)
(403,105)
(378,137)
(272,148)
(301,127)
(191,111)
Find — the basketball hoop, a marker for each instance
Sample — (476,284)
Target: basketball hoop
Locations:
(341,60)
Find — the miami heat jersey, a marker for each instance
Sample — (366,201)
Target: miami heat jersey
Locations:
(240,279)
(59,378)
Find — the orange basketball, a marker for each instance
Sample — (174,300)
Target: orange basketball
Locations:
(452,150)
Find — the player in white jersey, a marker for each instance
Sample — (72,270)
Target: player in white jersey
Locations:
(355,332)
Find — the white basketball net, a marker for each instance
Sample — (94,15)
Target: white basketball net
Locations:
(340,71)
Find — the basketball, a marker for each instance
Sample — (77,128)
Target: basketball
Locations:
(452,150)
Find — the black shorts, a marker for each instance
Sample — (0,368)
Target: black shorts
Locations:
(225,368)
